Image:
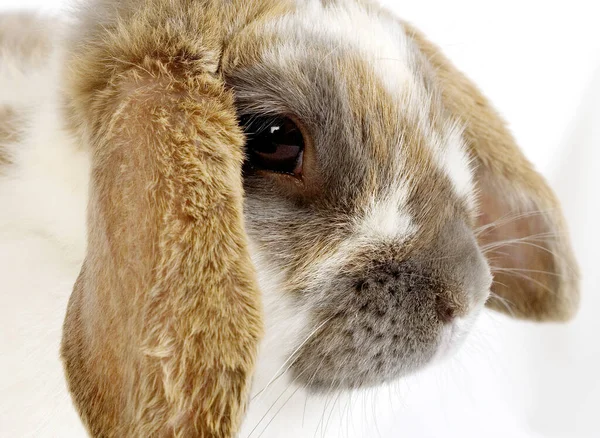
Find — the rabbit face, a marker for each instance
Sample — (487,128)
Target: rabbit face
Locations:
(359,196)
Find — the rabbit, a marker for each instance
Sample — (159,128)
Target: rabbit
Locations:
(299,196)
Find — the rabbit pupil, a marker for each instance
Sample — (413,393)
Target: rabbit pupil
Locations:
(273,144)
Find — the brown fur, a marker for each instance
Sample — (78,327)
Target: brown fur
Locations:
(536,275)
(167,279)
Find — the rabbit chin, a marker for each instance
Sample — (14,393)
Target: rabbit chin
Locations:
(454,335)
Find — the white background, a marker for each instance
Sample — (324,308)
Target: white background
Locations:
(539,62)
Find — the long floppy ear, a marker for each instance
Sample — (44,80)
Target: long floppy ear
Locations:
(164,321)
(521,227)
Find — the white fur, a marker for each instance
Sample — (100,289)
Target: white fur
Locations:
(380,40)
(446,142)
(452,158)
(286,324)
(386,219)
(42,243)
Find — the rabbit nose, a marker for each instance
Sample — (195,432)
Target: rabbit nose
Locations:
(441,281)
(410,285)
(448,308)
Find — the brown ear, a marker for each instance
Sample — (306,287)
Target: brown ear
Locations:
(163,325)
(521,227)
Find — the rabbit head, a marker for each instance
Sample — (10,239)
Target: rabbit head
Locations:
(381,193)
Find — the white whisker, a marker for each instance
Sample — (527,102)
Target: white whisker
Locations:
(290,358)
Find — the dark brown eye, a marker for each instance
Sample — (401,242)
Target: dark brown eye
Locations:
(274,144)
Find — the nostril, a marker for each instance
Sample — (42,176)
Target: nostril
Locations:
(447,308)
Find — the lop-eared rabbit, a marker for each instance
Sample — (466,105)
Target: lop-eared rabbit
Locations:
(242,197)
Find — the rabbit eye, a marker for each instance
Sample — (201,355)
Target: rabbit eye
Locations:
(273,144)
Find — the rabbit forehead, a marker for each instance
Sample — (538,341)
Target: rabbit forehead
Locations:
(384,142)
(375,36)
(383,76)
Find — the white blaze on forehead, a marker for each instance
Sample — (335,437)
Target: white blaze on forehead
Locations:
(377,38)
(443,136)
(452,158)
(386,218)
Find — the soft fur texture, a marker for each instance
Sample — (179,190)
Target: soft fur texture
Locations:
(371,266)
(24,44)
(167,255)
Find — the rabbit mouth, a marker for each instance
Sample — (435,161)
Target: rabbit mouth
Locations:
(350,352)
